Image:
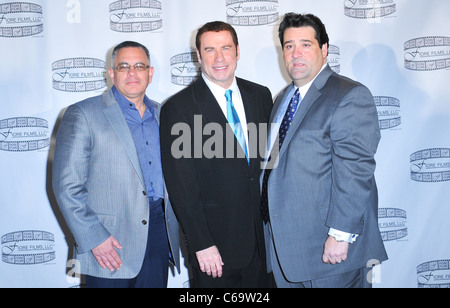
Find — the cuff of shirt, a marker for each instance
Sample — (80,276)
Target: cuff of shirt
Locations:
(341,236)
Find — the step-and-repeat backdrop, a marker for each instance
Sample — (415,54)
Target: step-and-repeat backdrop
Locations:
(55,53)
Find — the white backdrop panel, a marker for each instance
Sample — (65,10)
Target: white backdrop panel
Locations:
(55,53)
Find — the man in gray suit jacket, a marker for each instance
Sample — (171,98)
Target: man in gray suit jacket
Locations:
(108,182)
(321,196)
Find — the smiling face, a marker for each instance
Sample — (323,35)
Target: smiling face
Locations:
(218,56)
(131,83)
(303,56)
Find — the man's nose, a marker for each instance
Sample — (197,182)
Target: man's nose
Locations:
(297,53)
(219,55)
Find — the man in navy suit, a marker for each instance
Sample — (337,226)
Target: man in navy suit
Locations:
(216,197)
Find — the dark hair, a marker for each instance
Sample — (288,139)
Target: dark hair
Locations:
(216,26)
(128,44)
(293,20)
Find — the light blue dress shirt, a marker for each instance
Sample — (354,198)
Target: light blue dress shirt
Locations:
(145,132)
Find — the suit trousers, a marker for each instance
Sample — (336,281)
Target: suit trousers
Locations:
(352,279)
(155,268)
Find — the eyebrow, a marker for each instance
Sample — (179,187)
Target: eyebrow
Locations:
(224,46)
(130,64)
(303,41)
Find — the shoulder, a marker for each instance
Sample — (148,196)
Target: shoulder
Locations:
(344,83)
(88,109)
(184,99)
(346,93)
(283,93)
(342,88)
(176,100)
(261,94)
(328,80)
(247,84)
(88,103)
(186,92)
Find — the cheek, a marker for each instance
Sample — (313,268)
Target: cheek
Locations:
(288,61)
(287,56)
(209,60)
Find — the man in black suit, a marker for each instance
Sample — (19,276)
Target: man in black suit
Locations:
(212,178)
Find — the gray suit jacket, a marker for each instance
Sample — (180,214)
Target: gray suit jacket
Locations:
(99,186)
(325,178)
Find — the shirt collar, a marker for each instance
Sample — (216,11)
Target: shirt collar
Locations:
(125,104)
(304,89)
(218,90)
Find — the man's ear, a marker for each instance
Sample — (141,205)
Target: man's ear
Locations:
(325,50)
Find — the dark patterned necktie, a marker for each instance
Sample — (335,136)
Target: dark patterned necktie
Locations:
(285,125)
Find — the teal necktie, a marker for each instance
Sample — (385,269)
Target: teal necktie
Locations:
(235,123)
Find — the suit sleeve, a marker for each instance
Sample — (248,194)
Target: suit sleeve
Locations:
(181,178)
(355,136)
(70,175)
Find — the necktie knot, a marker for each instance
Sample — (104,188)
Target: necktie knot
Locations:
(228,96)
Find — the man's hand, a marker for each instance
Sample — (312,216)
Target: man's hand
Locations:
(106,254)
(334,252)
(210,261)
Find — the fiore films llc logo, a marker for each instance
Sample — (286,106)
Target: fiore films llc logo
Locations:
(184,68)
(24,134)
(334,58)
(388,112)
(28,247)
(392,224)
(431,165)
(252,12)
(427,53)
(369,9)
(434,274)
(135,16)
(20,19)
(79,75)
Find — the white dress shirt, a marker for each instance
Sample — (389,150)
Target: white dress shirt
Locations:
(219,94)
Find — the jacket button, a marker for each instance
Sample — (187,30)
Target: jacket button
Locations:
(144,222)
(144,193)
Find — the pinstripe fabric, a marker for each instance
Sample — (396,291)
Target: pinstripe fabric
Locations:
(99,186)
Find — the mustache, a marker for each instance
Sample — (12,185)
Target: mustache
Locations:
(297,62)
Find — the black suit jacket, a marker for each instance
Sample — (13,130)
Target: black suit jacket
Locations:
(217,199)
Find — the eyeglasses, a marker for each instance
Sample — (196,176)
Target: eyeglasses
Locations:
(125,67)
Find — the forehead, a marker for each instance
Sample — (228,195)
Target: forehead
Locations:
(215,38)
(301,33)
(131,53)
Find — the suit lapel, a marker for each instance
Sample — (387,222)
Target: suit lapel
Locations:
(305,105)
(279,101)
(211,110)
(115,117)
(310,98)
(207,103)
(251,112)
